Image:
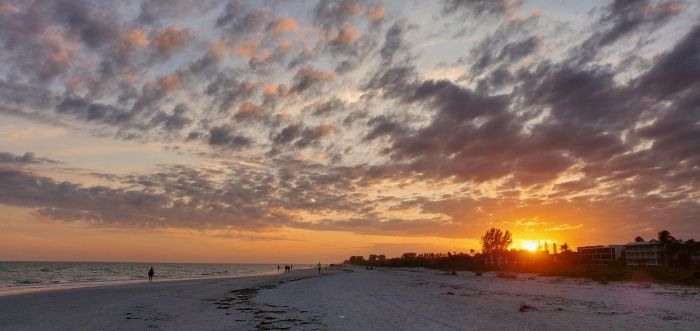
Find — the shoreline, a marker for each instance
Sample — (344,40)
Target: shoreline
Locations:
(19,290)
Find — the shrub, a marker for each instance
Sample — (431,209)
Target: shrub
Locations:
(506,275)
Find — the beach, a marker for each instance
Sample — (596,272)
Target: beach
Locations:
(359,299)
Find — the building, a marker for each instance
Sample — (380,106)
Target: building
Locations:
(644,253)
(600,255)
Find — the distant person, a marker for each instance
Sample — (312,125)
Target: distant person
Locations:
(278,268)
(150,275)
(319,267)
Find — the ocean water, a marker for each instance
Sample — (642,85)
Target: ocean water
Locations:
(21,276)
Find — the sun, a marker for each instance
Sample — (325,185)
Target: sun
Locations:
(529,245)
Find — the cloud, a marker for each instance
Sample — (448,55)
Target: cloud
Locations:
(165,42)
(339,118)
(346,36)
(376,14)
(168,82)
(25,159)
(282,25)
(224,136)
(335,13)
(248,110)
(238,20)
(676,70)
(564,227)
(309,77)
(481,7)
(623,18)
(302,137)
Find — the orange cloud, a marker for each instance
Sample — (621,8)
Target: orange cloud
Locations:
(137,37)
(167,41)
(60,49)
(248,110)
(376,14)
(219,47)
(274,90)
(351,7)
(168,83)
(249,49)
(346,36)
(282,25)
(134,37)
(323,130)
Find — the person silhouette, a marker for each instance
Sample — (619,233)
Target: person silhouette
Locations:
(150,275)
(319,267)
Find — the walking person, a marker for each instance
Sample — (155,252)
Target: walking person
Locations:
(319,267)
(150,275)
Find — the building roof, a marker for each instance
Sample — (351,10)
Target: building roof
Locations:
(635,243)
(600,246)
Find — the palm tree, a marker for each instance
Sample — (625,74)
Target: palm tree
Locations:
(669,244)
(564,247)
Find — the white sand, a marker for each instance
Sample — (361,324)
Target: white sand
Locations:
(386,299)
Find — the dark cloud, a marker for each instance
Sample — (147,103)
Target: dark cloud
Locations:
(479,7)
(383,126)
(175,121)
(623,18)
(225,137)
(330,107)
(394,41)
(335,13)
(238,20)
(676,70)
(26,159)
(94,27)
(301,137)
(309,77)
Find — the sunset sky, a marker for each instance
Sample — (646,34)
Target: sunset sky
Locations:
(274,131)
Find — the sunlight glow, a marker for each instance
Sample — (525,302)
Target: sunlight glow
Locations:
(529,245)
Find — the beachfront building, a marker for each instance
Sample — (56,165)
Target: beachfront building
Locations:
(644,253)
(600,255)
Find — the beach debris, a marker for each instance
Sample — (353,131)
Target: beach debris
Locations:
(525,307)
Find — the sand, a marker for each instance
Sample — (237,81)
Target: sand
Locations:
(359,299)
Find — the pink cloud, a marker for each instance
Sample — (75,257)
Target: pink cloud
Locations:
(347,35)
(282,25)
(168,83)
(167,41)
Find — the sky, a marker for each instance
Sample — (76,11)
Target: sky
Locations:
(276,131)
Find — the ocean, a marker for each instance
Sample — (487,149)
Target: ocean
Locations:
(30,276)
